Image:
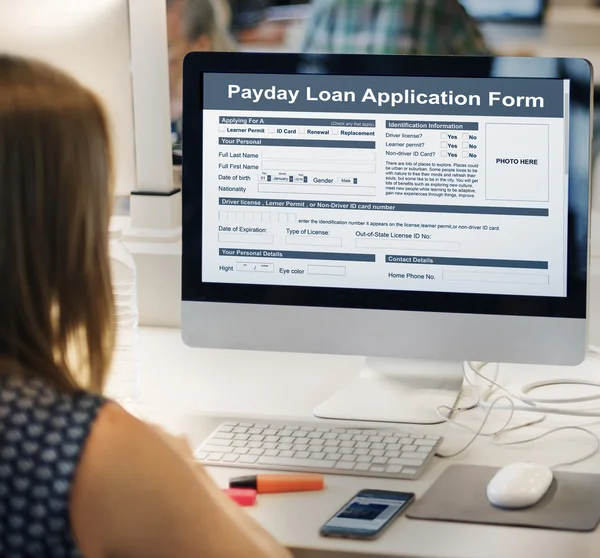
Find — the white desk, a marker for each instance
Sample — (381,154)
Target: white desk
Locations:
(182,384)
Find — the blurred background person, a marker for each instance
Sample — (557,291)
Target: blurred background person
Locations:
(193,25)
(392,27)
(250,24)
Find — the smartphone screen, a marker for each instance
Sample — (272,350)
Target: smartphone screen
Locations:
(367,514)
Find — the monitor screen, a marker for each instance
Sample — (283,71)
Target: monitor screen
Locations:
(506,10)
(454,185)
(430,207)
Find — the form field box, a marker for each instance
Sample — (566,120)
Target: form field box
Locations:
(243,238)
(317,166)
(252,267)
(255,216)
(325,190)
(316,154)
(495,277)
(309,240)
(337,270)
(414,245)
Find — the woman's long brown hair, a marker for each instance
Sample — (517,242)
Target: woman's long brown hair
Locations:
(56,305)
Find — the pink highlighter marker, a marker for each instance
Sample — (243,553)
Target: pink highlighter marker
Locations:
(243,496)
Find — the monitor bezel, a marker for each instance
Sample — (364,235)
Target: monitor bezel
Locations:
(194,289)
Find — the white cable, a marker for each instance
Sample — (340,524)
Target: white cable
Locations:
(554,431)
(506,428)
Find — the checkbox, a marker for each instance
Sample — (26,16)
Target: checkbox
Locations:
(222,128)
(465,146)
(335,132)
(272,130)
(444,154)
(465,154)
(301,131)
(444,135)
(465,136)
(444,145)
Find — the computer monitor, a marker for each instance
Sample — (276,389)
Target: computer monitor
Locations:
(396,207)
(522,11)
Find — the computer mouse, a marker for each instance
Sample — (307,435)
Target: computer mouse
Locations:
(520,485)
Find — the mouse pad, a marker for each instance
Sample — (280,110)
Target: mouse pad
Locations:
(571,504)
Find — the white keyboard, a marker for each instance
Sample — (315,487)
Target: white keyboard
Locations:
(380,452)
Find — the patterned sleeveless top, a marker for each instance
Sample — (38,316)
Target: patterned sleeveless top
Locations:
(42,435)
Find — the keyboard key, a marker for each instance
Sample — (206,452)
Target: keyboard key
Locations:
(249,459)
(390,440)
(229,423)
(426,443)
(269,445)
(333,456)
(299,434)
(301,447)
(347,444)
(377,469)
(413,455)
(317,442)
(410,472)
(219,442)
(241,451)
(410,448)
(256,452)
(302,454)
(272,453)
(345,437)
(423,449)
(380,460)
(223,436)
(294,462)
(362,467)
(332,443)
(257,438)
(239,444)
(270,432)
(379,446)
(394,447)
(376,453)
(214,457)
(344,465)
(287,454)
(242,437)
(284,447)
(360,451)
(375,439)
(364,459)
(216,449)
(255,431)
(323,429)
(330,436)
(271,439)
(406,441)
(406,462)
(392,454)
(246,424)
(393,469)
(285,432)
(287,439)
(348,458)
(345,451)
(315,434)
(201,455)
(358,438)
(240,430)
(317,455)
(231,458)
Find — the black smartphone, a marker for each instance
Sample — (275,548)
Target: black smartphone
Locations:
(367,514)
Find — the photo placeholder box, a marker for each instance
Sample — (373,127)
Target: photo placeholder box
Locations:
(517,162)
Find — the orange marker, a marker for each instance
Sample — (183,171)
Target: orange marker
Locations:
(271,484)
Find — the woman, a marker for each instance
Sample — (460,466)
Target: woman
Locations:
(78,475)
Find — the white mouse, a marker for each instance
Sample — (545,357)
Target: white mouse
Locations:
(519,485)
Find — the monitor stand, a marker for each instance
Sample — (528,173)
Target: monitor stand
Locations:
(397,390)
